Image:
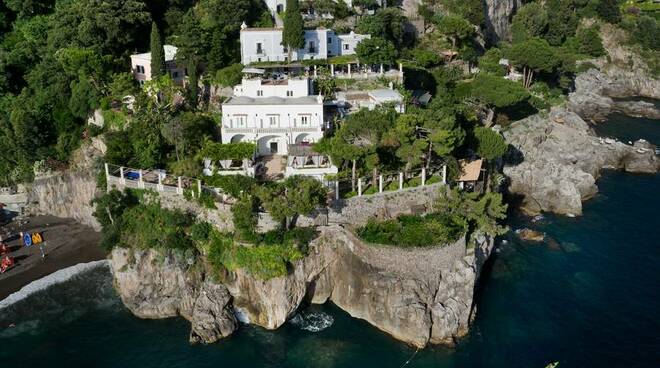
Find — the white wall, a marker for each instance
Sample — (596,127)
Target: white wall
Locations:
(177,73)
(324,41)
(272,4)
(253,123)
(255,88)
(348,42)
(272,48)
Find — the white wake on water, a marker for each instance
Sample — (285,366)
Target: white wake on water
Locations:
(312,321)
(54,278)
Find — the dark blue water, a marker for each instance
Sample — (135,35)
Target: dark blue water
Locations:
(587,297)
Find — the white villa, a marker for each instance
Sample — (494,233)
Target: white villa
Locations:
(265,44)
(283,118)
(141,66)
(278,6)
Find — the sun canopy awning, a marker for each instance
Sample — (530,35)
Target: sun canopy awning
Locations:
(253,71)
(470,171)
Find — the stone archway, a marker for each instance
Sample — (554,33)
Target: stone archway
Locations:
(237,138)
(271,145)
(304,138)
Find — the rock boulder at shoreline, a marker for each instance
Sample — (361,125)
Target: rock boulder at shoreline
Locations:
(557,158)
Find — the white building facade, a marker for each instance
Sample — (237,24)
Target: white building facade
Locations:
(273,114)
(141,66)
(265,44)
(279,6)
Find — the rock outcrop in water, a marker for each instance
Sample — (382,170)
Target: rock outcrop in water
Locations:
(153,285)
(559,158)
(419,296)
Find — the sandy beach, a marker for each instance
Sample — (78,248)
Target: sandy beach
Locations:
(66,243)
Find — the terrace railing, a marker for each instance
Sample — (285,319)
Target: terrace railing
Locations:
(159,181)
(385,182)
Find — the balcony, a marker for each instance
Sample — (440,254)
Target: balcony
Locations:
(271,130)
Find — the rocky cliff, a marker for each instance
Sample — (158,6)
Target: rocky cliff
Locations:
(558,159)
(155,285)
(498,19)
(68,193)
(419,296)
(621,74)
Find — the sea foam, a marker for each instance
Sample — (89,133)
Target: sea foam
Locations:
(54,278)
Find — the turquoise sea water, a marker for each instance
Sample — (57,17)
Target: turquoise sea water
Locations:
(588,297)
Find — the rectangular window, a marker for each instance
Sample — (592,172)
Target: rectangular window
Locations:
(260,93)
(259,48)
(345,46)
(241,120)
(329,40)
(175,75)
(273,120)
(289,93)
(139,69)
(312,48)
(304,120)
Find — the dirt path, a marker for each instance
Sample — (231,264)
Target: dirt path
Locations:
(66,243)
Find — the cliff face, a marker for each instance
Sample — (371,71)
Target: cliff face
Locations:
(154,285)
(419,296)
(559,159)
(498,19)
(68,194)
(623,73)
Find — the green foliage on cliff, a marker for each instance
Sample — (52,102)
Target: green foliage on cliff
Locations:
(271,257)
(415,231)
(135,219)
(234,185)
(482,212)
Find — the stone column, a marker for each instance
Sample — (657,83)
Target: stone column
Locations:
(107,172)
(121,176)
(380,184)
(349,70)
(400,180)
(337,189)
(444,174)
(423,176)
(179,186)
(359,187)
(140,180)
(382,71)
(315,72)
(199,187)
(332,70)
(160,182)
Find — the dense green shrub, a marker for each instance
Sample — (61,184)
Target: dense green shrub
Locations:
(234,185)
(134,219)
(270,257)
(415,231)
(229,76)
(244,218)
(489,143)
(590,42)
(647,32)
(201,231)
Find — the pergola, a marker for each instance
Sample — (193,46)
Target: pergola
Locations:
(303,156)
